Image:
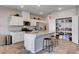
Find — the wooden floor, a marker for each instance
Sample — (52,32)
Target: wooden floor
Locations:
(64,47)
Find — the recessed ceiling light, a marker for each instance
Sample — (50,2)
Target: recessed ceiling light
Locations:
(22,6)
(59,8)
(41,13)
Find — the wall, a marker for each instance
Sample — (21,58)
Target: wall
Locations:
(51,26)
(75,29)
(64,13)
(4,21)
(61,14)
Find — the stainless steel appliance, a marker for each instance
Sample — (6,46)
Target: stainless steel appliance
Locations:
(8,40)
(26,23)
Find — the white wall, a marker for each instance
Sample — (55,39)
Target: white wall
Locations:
(61,14)
(51,26)
(75,29)
(64,13)
(4,21)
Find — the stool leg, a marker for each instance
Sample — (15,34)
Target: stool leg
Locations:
(55,43)
(49,49)
(43,44)
(46,44)
(52,46)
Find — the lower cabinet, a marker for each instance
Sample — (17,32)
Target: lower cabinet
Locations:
(17,37)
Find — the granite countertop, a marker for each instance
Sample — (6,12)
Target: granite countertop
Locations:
(38,33)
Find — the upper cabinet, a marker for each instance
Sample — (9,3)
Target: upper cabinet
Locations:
(25,15)
(14,20)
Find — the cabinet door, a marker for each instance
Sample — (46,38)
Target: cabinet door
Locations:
(13,36)
(21,36)
(14,20)
(18,37)
(20,21)
(26,15)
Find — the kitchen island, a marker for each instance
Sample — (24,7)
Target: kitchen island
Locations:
(33,42)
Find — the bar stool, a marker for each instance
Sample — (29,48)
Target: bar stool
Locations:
(48,44)
(55,39)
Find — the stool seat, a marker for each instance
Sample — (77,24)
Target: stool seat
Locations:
(57,36)
(47,38)
(52,36)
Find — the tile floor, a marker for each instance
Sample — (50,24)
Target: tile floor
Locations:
(64,47)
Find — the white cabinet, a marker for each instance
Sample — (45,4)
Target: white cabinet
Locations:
(16,20)
(29,42)
(25,15)
(20,21)
(33,42)
(17,37)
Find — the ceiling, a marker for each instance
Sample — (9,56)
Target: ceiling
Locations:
(44,9)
